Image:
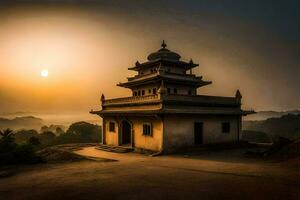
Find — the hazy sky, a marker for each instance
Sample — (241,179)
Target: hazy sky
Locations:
(252,45)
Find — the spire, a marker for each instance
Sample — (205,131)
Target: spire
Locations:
(163,45)
(102,98)
(191,62)
(162,89)
(238,96)
(137,63)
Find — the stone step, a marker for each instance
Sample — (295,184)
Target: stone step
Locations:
(116,149)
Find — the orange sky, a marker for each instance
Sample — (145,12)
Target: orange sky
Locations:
(88,49)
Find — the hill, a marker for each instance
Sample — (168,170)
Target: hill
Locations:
(26,122)
(287,126)
(263,115)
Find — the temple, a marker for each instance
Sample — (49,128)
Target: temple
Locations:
(165,112)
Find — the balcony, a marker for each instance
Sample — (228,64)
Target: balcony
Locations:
(131,100)
(197,100)
(203,100)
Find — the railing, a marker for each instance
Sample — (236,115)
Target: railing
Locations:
(133,99)
(213,100)
(197,99)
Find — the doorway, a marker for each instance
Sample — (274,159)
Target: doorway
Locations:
(125,132)
(198,133)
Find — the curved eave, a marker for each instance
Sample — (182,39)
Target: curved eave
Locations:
(166,111)
(121,104)
(186,65)
(198,83)
(248,112)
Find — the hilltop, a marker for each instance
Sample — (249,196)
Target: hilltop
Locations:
(25,122)
(263,115)
(287,126)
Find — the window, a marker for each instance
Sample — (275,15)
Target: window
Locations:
(139,93)
(175,90)
(147,129)
(225,127)
(111,127)
(134,93)
(149,91)
(154,90)
(189,92)
(143,92)
(169,90)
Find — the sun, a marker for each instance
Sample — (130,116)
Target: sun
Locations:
(44,73)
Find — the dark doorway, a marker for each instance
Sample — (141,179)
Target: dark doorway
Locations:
(126,132)
(198,132)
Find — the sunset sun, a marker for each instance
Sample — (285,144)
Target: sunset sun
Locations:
(44,73)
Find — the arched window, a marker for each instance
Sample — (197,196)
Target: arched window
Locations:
(154,90)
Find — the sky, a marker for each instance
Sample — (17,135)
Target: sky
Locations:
(87,46)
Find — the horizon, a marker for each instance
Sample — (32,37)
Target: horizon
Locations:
(69,53)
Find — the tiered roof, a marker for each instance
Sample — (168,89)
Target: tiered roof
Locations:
(164,57)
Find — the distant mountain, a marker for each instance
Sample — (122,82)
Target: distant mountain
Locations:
(285,126)
(263,115)
(26,122)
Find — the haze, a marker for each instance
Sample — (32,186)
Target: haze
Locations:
(87,49)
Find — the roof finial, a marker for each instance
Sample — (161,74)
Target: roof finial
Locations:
(238,96)
(163,44)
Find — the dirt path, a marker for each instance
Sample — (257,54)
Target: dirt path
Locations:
(135,176)
(197,163)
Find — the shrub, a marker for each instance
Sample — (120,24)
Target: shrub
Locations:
(34,141)
(13,153)
(24,135)
(80,132)
(25,153)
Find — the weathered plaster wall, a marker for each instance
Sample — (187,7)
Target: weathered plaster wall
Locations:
(153,142)
(111,138)
(179,130)
(141,141)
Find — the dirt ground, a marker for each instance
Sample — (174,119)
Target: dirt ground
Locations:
(211,175)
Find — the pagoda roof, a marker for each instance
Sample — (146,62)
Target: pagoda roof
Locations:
(151,63)
(164,53)
(166,77)
(164,56)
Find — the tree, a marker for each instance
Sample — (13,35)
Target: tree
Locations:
(47,138)
(24,135)
(13,153)
(7,135)
(80,132)
(59,131)
(7,141)
(34,141)
(44,129)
